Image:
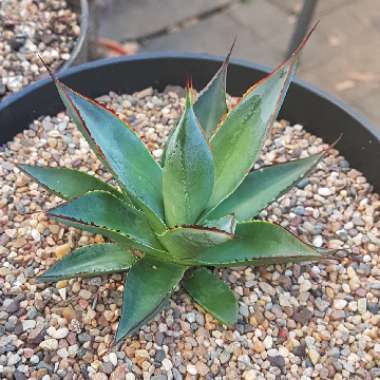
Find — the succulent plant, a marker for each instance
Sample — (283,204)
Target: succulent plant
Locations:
(170,223)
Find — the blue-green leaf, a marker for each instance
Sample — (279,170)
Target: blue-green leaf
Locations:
(101,212)
(212,294)
(211,103)
(188,173)
(187,241)
(263,186)
(147,285)
(258,243)
(117,146)
(90,261)
(66,183)
(237,143)
(225,223)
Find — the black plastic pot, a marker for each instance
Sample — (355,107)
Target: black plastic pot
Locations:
(80,52)
(318,112)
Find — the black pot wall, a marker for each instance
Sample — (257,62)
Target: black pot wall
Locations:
(318,112)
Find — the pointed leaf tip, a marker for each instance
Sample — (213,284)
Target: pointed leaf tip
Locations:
(238,141)
(147,285)
(263,186)
(213,294)
(66,183)
(258,243)
(50,72)
(211,104)
(103,213)
(120,150)
(188,171)
(89,261)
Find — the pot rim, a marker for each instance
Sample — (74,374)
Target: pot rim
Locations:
(342,105)
(81,40)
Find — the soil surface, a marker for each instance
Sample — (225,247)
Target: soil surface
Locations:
(28,28)
(318,320)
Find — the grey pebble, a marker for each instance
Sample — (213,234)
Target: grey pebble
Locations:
(20,376)
(107,367)
(277,361)
(176,374)
(13,307)
(84,337)
(159,356)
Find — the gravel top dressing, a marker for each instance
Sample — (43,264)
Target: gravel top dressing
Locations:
(27,27)
(316,320)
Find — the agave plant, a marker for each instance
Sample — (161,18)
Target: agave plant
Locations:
(170,223)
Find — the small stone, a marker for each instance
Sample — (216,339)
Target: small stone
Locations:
(68,313)
(337,315)
(100,376)
(84,337)
(63,353)
(28,324)
(277,361)
(61,284)
(73,350)
(362,305)
(191,369)
(159,356)
(85,294)
(60,333)
(34,359)
(119,373)
(190,317)
(36,336)
(340,304)
(318,241)
(258,346)
(167,365)
(13,307)
(62,250)
(113,358)
(202,368)
(250,375)
(373,307)
(313,355)
(107,367)
(13,359)
(266,288)
(303,316)
(62,293)
(324,191)
(49,344)
(224,357)
(305,286)
(268,342)
(19,375)
(300,350)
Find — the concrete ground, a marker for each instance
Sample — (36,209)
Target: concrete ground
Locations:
(342,57)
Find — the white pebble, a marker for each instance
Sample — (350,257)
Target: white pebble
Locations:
(324,191)
(167,364)
(305,286)
(268,341)
(28,324)
(318,241)
(191,369)
(362,305)
(60,333)
(113,358)
(49,344)
(340,304)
